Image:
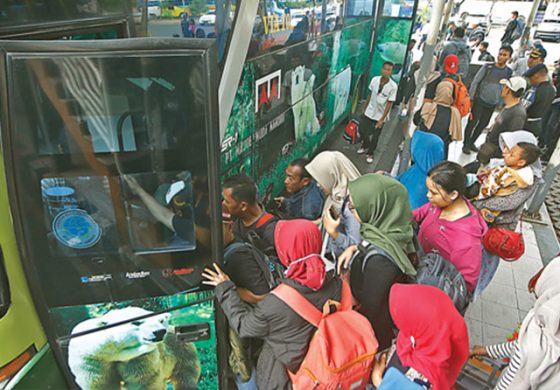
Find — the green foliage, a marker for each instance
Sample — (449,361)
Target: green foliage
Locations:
(198,7)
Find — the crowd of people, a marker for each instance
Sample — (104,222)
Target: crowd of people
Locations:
(367,234)
(333,227)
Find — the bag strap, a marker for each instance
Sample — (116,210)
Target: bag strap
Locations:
(263,220)
(263,263)
(297,302)
(232,248)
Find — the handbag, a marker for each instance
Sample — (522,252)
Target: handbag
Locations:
(507,244)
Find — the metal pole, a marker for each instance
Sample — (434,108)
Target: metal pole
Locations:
(424,71)
(527,31)
(445,21)
(550,172)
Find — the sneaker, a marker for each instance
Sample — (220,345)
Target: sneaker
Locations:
(466,149)
(369,159)
(473,148)
(362,150)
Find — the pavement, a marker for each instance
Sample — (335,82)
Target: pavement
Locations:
(506,301)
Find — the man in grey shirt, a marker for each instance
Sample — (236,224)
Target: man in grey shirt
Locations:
(513,116)
(485,93)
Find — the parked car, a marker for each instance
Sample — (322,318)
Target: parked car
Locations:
(549,29)
(208,18)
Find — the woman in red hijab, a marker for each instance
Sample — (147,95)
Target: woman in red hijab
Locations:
(433,343)
(286,335)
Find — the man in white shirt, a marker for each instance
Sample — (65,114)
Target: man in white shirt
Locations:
(383,94)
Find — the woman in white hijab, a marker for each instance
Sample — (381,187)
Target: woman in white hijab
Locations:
(535,355)
(333,171)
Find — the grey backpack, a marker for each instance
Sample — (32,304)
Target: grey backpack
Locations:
(434,270)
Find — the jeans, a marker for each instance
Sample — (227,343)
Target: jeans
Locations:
(481,115)
(370,134)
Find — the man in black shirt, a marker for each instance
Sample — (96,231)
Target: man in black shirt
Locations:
(240,264)
(538,98)
(243,270)
(484,54)
(252,224)
(510,33)
(513,116)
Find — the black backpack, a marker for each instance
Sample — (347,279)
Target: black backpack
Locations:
(271,270)
(434,270)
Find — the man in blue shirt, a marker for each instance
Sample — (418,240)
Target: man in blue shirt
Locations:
(306,199)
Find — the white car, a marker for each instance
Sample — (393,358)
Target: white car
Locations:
(208,18)
(154,9)
(549,29)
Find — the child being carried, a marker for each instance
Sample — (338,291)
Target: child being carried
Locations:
(506,180)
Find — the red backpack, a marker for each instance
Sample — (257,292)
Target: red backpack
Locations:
(341,352)
(462,100)
(351,132)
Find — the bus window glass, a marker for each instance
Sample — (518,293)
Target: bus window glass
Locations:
(109,194)
(327,16)
(193,19)
(23,12)
(359,8)
(398,8)
(277,27)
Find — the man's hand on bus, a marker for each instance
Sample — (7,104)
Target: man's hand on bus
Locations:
(379,124)
(132,184)
(214,277)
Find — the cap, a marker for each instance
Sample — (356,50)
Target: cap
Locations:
(173,190)
(535,69)
(514,83)
(538,51)
(226,215)
(451,64)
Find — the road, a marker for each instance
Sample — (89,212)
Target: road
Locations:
(171,27)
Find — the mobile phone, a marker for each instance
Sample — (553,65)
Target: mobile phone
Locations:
(334,212)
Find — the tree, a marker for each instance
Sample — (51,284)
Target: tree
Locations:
(198,7)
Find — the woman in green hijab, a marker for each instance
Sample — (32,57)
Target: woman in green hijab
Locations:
(381,205)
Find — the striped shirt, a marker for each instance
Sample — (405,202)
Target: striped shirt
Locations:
(509,350)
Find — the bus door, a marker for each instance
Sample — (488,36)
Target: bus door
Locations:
(111,160)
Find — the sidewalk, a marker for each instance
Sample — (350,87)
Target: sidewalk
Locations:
(506,301)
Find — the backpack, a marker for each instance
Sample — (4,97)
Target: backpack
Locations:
(341,352)
(255,238)
(462,100)
(434,270)
(518,32)
(351,132)
(271,271)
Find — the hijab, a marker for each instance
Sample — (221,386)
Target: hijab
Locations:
(382,205)
(333,171)
(539,336)
(433,337)
(427,150)
(512,138)
(443,97)
(298,245)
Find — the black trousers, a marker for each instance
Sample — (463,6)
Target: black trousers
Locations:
(370,134)
(371,288)
(481,115)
